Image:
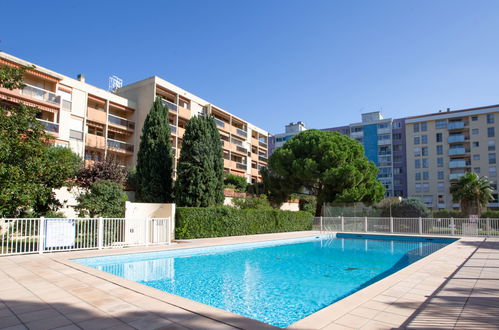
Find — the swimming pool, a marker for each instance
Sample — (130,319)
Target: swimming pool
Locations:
(277,282)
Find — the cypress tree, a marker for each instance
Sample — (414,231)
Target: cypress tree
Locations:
(200,165)
(154,159)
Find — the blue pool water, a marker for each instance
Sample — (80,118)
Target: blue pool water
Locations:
(277,282)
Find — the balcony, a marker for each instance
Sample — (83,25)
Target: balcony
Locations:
(219,123)
(456,138)
(121,122)
(41,94)
(97,115)
(262,144)
(241,166)
(458,164)
(119,145)
(455,125)
(455,176)
(49,126)
(169,105)
(95,141)
(262,158)
(241,132)
(241,149)
(457,151)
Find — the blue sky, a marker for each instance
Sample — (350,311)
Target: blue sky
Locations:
(275,61)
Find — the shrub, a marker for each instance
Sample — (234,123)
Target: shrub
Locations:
(196,222)
(448,214)
(407,208)
(490,214)
(255,203)
(307,204)
(104,199)
(235,181)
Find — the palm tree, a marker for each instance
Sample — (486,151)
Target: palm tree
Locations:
(472,192)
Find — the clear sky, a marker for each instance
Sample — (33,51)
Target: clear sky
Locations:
(275,61)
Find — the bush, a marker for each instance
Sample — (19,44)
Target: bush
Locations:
(448,214)
(255,203)
(104,199)
(308,204)
(490,214)
(235,181)
(407,208)
(197,222)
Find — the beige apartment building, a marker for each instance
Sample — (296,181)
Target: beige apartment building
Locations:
(96,123)
(442,146)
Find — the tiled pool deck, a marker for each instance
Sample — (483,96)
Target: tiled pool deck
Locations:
(455,287)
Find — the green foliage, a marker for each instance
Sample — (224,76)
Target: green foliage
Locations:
(236,181)
(407,208)
(329,165)
(154,181)
(251,202)
(307,204)
(490,214)
(226,221)
(103,199)
(107,170)
(447,214)
(472,192)
(12,77)
(200,166)
(276,187)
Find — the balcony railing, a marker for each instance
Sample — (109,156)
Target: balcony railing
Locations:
(455,176)
(457,151)
(241,149)
(458,164)
(173,128)
(41,94)
(455,125)
(455,138)
(241,166)
(170,105)
(237,142)
(241,132)
(262,144)
(262,158)
(121,121)
(119,145)
(219,122)
(50,126)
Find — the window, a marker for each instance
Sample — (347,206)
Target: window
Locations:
(476,144)
(425,163)
(474,131)
(95,130)
(440,150)
(418,176)
(490,132)
(417,152)
(418,187)
(440,175)
(416,128)
(424,139)
(492,158)
(426,187)
(383,125)
(397,158)
(397,147)
(490,118)
(476,157)
(441,124)
(439,137)
(492,172)
(441,187)
(424,151)
(417,163)
(476,170)
(474,118)
(397,124)
(397,170)
(397,136)
(426,175)
(416,140)
(384,137)
(424,127)
(492,145)
(440,162)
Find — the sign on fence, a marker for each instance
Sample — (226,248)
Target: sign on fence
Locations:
(59,233)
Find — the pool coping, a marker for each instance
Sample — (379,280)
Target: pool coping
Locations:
(447,259)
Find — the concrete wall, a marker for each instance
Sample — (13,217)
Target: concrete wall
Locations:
(67,197)
(151,210)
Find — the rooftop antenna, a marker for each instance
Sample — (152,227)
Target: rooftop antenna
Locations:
(115,83)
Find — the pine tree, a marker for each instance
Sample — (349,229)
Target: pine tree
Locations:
(154,159)
(200,167)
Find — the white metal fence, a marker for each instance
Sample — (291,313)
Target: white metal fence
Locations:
(416,226)
(39,235)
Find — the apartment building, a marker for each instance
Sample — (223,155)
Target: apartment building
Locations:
(442,146)
(290,130)
(384,144)
(96,123)
(245,146)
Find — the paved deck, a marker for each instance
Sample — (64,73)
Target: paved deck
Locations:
(456,287)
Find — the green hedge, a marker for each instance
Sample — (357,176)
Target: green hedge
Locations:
(199,222)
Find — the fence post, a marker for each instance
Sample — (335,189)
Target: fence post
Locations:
(322,225)
(342,223)
(487,225)
(452,227)
(420,224)
(41,235)
(365,224)
(168,231)
(146,231)
(100,235)
(391,225)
